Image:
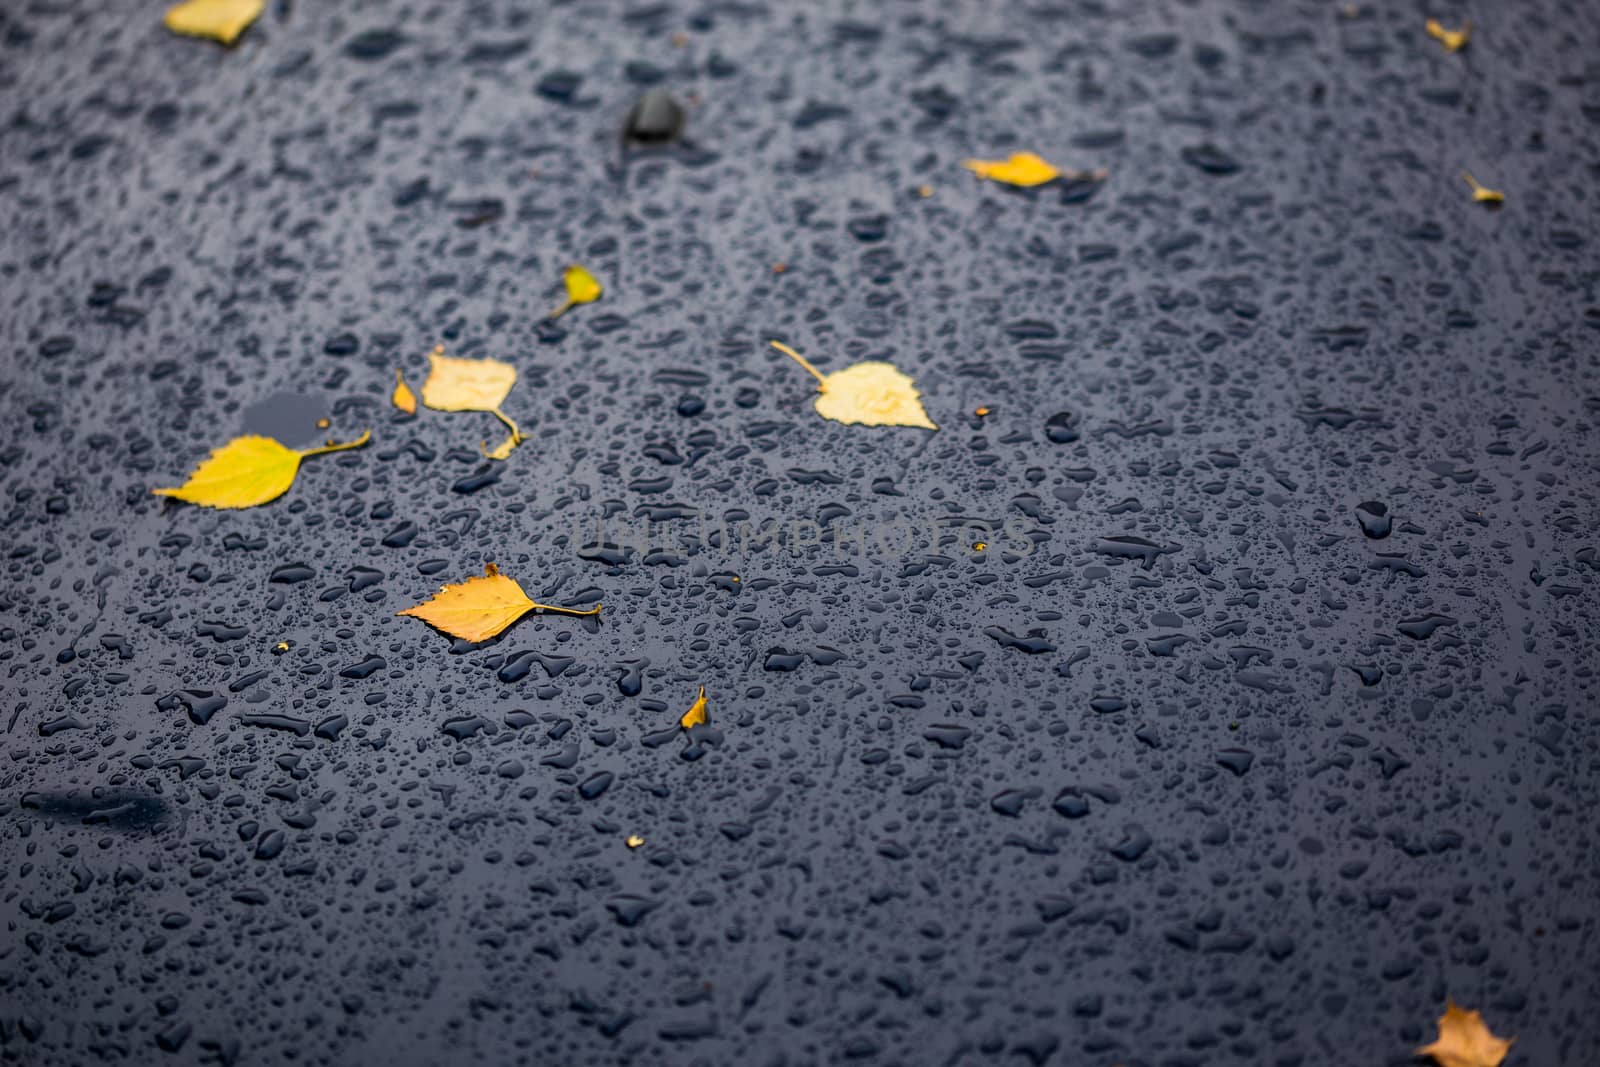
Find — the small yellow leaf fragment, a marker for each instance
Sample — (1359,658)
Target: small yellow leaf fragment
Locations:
(582,288)
(220,20)
(1465,1041)
(402,397)
(1482,194)
(1023,169)
(472,385)
(1453,40)
(482,607)
(633,841)
(696,715)
(501,451)
(866,394)
(248,471)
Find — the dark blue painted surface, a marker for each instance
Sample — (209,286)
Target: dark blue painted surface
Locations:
(1184,768)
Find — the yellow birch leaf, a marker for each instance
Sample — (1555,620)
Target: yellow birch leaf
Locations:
(1482,194)
(466,384)
(472,385)
(1465,1041)
(1023,169)
(220,20)
(696,715)
(248,471)
(482,607)
(582,288)
(402,397)
(1453,40)
(866,394)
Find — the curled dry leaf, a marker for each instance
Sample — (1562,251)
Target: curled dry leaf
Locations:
(582,288)
(696,715)
(866,394)
(482,607)
(1465,1040)
(402,397)
(472,385)
(1453,40)
(1482,194)
(1023,169)
(220,20)
(248,471)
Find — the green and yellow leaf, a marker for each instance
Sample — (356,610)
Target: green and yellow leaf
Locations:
(248,471)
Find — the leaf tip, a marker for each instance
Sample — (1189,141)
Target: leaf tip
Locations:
(696,715)
(402,397)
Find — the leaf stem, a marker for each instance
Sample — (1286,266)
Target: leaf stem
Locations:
(516,434)
(332,446)
(562,310)
(569,611)
(822,380)
(504,449)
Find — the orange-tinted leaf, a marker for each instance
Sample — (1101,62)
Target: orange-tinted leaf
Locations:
(482,607)
(696,715)
(1465,1041)
(402,397)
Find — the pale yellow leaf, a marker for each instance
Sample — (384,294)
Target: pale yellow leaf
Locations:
(402,397)
(1465,1041)
(466,384)
(873,394)
(1023,169)
(248,471)
(582,288)
(482,607)
(866,394)
(1482,194)
(1453,40)
(472,385)
(696,715)
(220,20)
